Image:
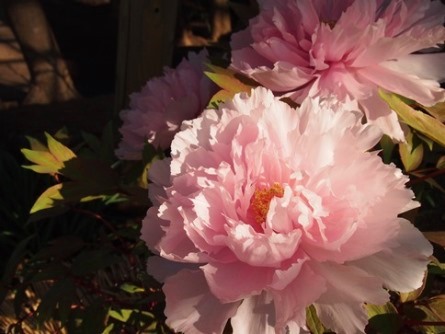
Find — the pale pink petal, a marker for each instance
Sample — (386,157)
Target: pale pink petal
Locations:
(429,66)
(426,92)
(191,308)
(379,113)
(235,281)
(255,315)
(400,267)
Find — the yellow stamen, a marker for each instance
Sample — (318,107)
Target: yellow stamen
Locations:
(260,201)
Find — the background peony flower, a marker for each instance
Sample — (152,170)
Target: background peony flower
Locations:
(348,48)
(157,111)
(264,210)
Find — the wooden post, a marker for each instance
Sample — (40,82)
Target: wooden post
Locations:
(145,44)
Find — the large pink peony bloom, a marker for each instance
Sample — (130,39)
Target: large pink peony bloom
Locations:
(157,111)
(264,210)
(348,48)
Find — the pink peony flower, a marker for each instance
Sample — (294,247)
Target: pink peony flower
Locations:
(157,111)
(347,48)
(264,210)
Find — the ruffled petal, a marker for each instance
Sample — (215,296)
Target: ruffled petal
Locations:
(190,306)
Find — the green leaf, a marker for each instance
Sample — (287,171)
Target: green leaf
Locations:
(438,237)
(427,125)
(131,288)
(384,318)
(93,260)
(108,329)
(436,268)
(387,147)
(313,322)
(61,248)
(16,257)
(60,151)
(59,297)
(122,315)
(227,80)
(93,319)
(437,306)
(438,111)
(410,154)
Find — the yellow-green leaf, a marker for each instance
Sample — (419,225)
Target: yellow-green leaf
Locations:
(121,315)
(313,322)
(227,80)
(35,144)
(429,126)
(131,288)
(411,155)
(48,163)
(438,111)
(48,198)
(437,306)
(384,318)
(60,151)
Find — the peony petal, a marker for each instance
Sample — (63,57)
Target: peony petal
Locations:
(428,66)
(235,281)
(190,306)
(402,267)
(255,315)
(426,92)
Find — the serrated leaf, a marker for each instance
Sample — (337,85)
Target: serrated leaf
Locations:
(60,248)
(387,147)
(47,162)
(227,80)
(93,319)
(131,288)
(438,111)
(35,144)
(122,315)
(313,322)
(48,198)
(410,154)
(60,151)
(16,257)
(108,329)
(60,296)
(427,125)
(438,237)
(384,318)
(437,305)
(93,260)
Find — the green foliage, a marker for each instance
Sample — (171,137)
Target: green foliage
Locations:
(75,259)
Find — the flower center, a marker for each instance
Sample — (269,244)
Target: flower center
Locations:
(260,201)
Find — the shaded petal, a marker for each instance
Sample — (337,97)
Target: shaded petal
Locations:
(380,114)
(291,302)
(235,281)
(427,66)
(401,268)
(426,92)
(255,315)
(191,307)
